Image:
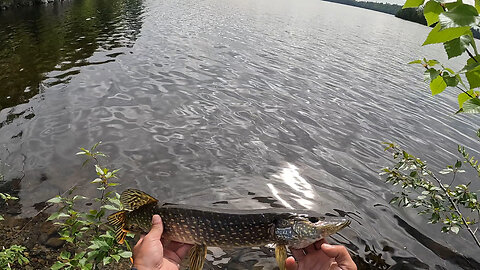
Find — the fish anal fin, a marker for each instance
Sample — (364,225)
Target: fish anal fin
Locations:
(120,235)
(133,199)
(197,256)
(281,256)
(117,220)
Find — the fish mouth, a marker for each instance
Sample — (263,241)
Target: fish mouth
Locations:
(332,225)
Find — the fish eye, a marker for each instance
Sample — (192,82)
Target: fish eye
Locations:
(313,219)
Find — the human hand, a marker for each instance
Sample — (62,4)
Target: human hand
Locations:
(320,256)
(151,254)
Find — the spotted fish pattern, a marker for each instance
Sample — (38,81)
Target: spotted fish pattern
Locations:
(204,227)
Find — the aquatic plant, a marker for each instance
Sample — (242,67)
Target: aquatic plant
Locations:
(94,242)
(456,207)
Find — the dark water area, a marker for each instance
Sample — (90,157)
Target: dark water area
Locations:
(235,104)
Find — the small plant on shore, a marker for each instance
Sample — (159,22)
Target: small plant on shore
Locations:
(94,241)
(13,256)
(6,197)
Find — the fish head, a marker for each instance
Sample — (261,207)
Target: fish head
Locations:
(300,231)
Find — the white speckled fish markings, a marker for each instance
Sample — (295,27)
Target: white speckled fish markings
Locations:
(222,228)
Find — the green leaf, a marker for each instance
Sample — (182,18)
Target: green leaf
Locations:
(1,218)
(99,170)
(462,97)
(461,15)
(415,62)
(107,260)
(125,254)
(471,106)
(455,229)
(450,80)
(431,74)
(473,77)
(457,46)
(412,3)
(432,62)
(110,207)
(431,11)
(57,265)
(65,255)
(56,199)
(53,216)
(437,85)
(439,36)
(116,257)
(97,180)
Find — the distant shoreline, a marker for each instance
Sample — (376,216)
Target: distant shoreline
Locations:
(380,7)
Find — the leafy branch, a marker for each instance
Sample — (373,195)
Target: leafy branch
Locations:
(421,188)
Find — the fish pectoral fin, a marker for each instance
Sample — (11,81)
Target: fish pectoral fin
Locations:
(197,256)
(133,199)
(281,256)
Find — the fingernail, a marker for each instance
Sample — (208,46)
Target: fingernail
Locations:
(156,219)
(326,245)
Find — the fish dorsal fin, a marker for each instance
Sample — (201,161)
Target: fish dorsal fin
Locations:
(133,199)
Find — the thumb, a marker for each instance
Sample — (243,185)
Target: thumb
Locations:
(290,264)
(340,255)
(157,228)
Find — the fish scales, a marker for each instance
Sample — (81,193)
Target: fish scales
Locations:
(204,227)
(195,226)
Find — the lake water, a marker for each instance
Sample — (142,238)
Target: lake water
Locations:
(234,103)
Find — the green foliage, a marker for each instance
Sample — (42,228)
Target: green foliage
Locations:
(422,189)
(431,11)
(413,3)
(13,256)
(6,197)
(86,230)
(454,22)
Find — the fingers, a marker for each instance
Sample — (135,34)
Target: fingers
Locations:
(297,253)
(183,250)
(157,228)
(310,249)
(180,249)
(140,240)
(290,264)
(341,256)
(318,244)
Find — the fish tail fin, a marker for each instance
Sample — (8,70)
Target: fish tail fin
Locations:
(117,220)
(133,199)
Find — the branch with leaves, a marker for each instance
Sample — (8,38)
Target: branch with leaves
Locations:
(452,26)
(422,189)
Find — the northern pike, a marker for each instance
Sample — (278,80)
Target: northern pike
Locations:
(204,227)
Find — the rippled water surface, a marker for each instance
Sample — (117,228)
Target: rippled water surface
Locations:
(234,103)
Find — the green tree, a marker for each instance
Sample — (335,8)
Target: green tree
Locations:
(456,207)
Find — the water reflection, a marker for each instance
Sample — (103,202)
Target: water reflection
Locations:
(44,46)
(300,190)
